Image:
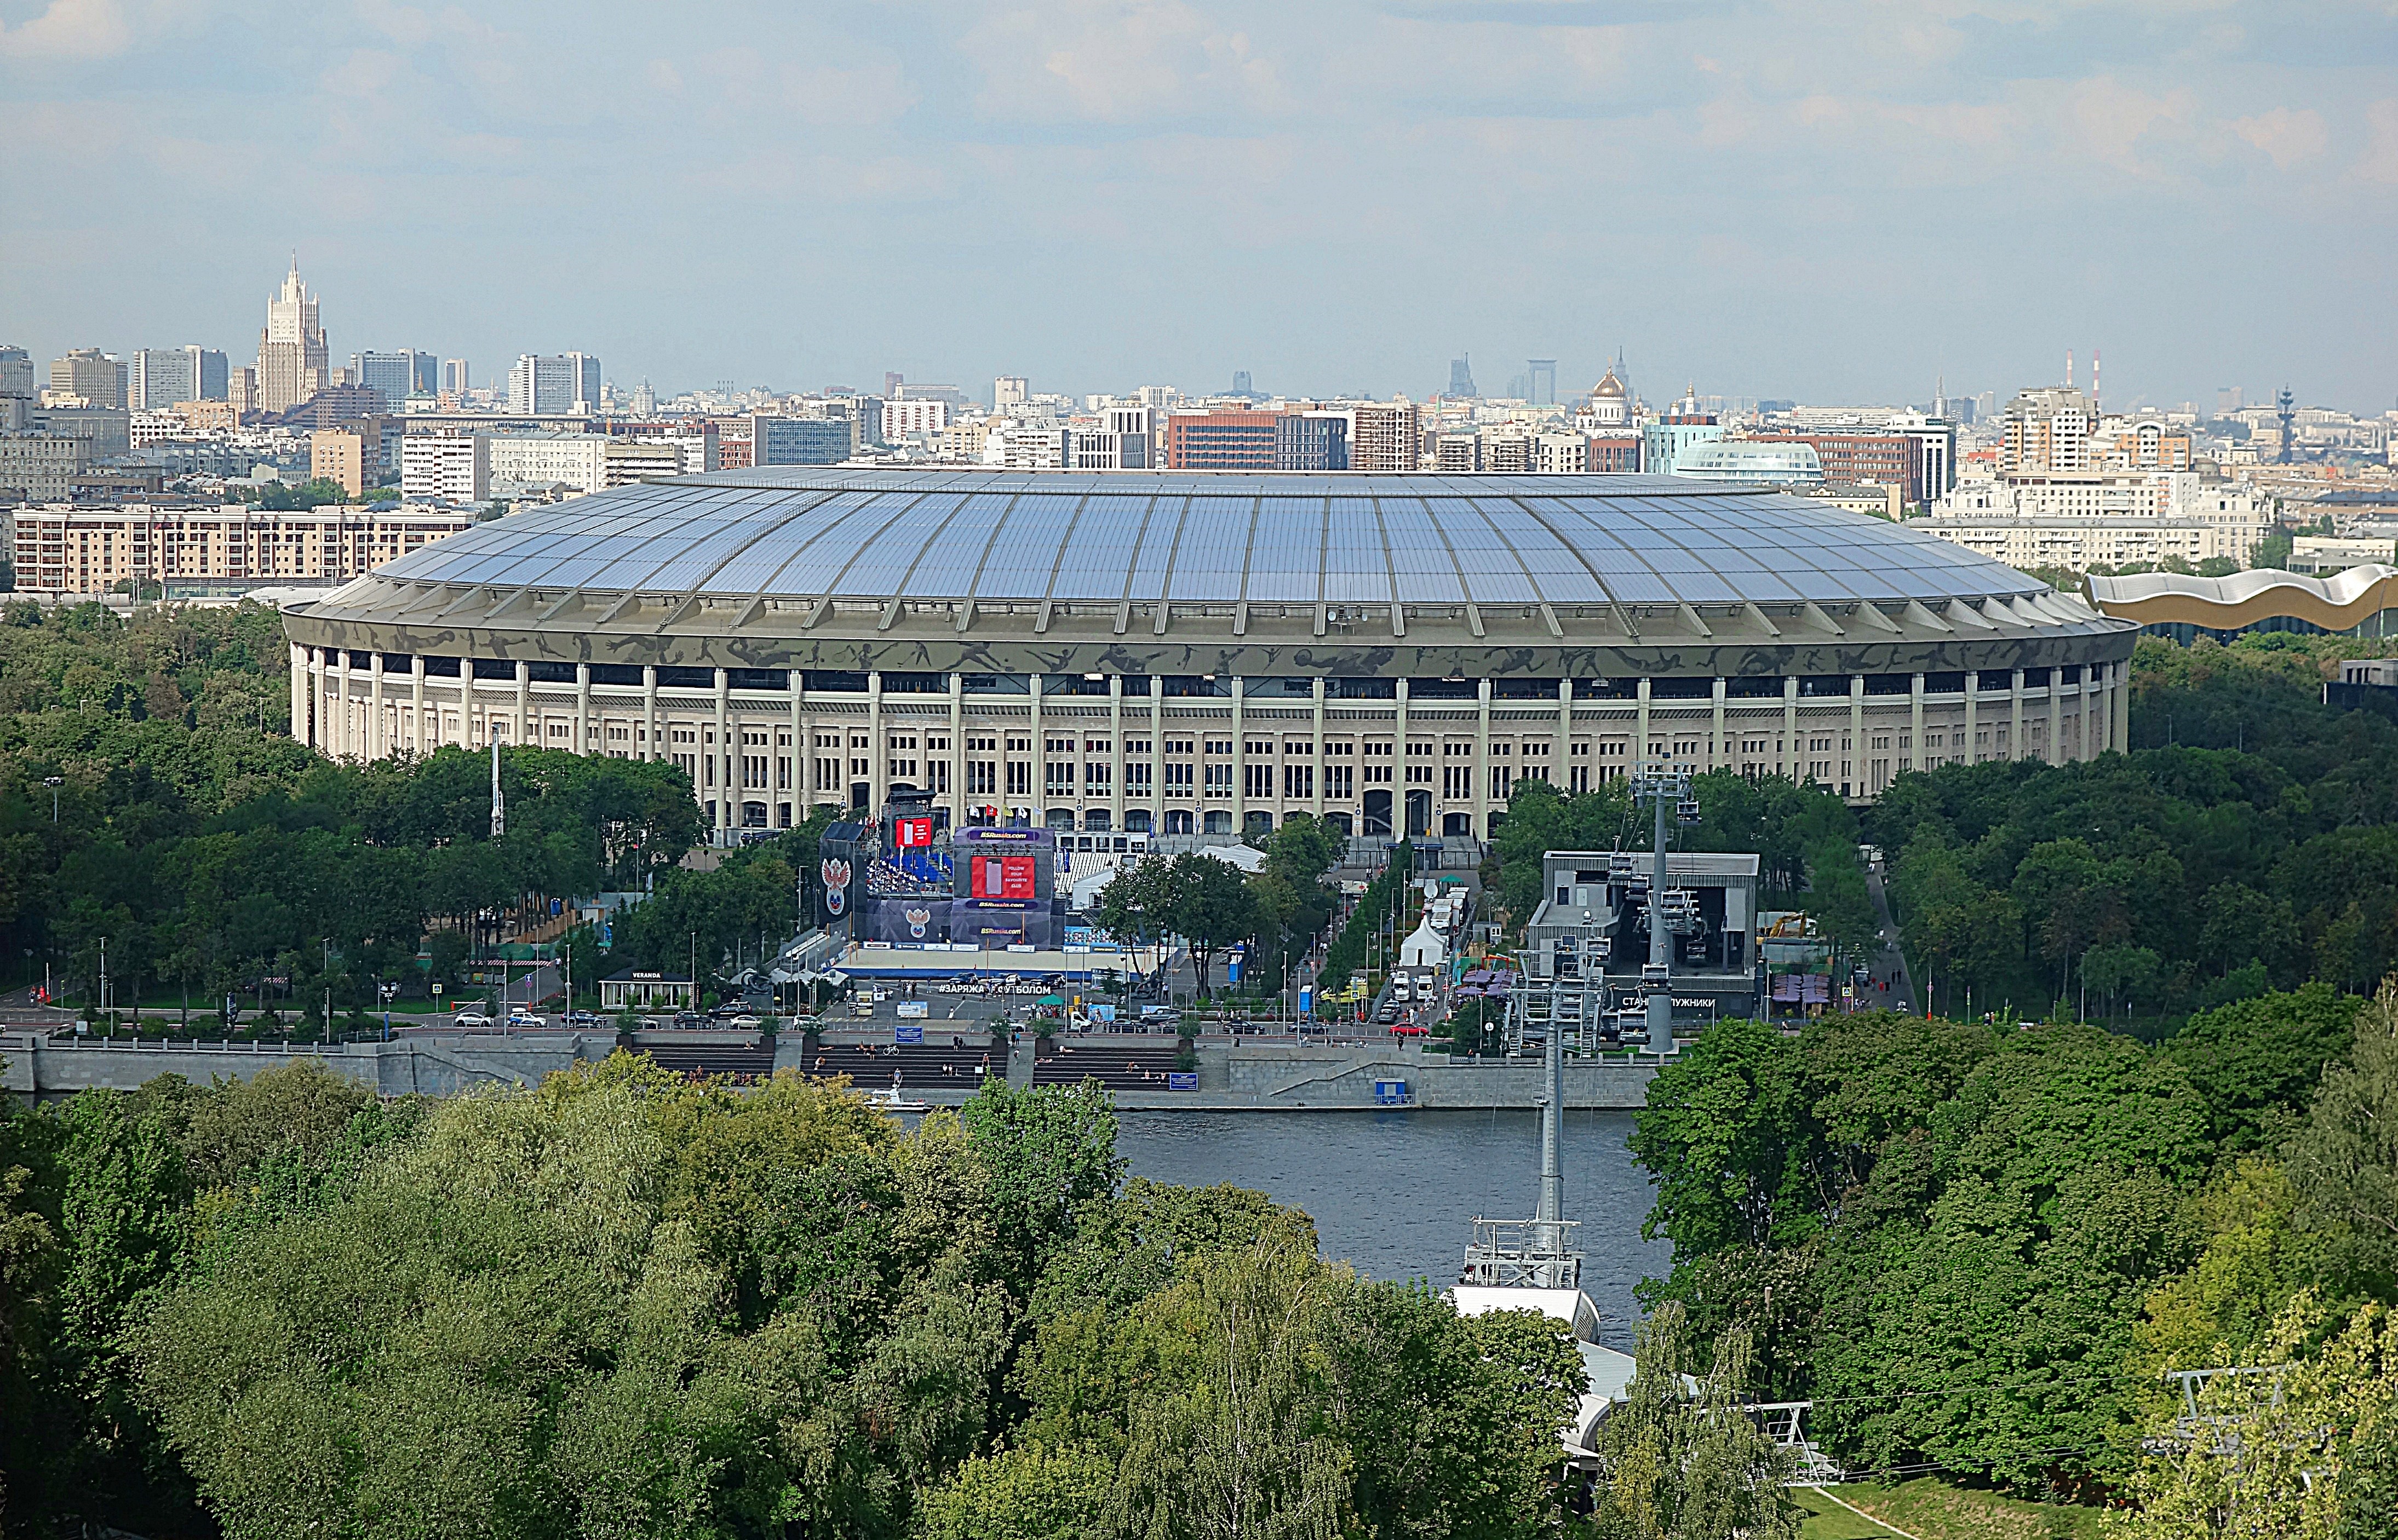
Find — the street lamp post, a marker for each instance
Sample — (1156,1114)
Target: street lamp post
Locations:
(54,783)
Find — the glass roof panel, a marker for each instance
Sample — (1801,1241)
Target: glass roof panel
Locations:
(806,515)
(1105,540)
(1214,550)
(879,567)
(1420,558)
(808,555)
(714,539)
(1354,571)
(1492,573)
(1019,565)
(1559,574)
(1287,555)
(1149,568)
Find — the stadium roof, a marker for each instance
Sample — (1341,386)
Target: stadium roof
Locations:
(1211,539)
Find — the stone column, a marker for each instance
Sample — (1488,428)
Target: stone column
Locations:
(2015,716)
(1240,762)
(378,737)
(649,711)
(1718,754)
(1116,754)
(416,703)
(583,736)
(524,704)
(1640,749)
(1563,754)
(1857,772)
(728,806)
(1914,757)
(303,660)
(1038,793)
(1399,782)
(1483,799)
(344,734)
(1791,751)
(1972,715)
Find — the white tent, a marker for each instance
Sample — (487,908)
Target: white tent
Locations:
(1424,948)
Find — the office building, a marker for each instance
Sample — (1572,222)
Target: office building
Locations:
(628,460)
(108,431)
(39,467)
(241,390)
(1461,379)
(396,376)
(1007,391)
(1311,441)
(564,384)
(445,467)
(908,418)
(292,362)
(164,378)
(1223,438)
(338,455)
(1884,459)
(457,377)
(17,373)
(1009,650)
(90,376)
(1121,441)
(800,440)
(1663,441)
(91,550)
(524,461)
(1540,374)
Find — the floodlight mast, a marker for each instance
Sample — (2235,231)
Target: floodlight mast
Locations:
(1658,782)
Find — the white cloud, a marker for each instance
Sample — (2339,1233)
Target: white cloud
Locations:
(70,29)
(1118,62)
(2379,161)
(2286,137)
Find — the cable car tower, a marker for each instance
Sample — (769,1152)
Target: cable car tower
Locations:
(1672,911)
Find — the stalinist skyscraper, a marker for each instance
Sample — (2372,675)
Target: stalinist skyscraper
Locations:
(293,363)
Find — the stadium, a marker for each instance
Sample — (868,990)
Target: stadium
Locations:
(1104,655)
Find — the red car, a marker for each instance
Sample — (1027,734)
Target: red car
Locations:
(1408,1029)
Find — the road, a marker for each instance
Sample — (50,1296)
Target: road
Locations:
(1892,985)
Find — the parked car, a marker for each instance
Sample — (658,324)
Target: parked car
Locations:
(582,1018)
(520,1016)
(471,1020)
(745,1023)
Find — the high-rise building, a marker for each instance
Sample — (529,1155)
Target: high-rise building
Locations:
(445,467)
(293,361)
(1008,390)
(645,400)
(397,375)
(98,379)
(555,384)
(456,377)
(1461,378)
(337,455)
(1382,436)
(908,417)
(241,391)
(16,372)
(1542,373)
(168,377)
(1242,386)
(2048,428)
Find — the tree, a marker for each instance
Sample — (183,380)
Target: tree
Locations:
(2258,1062)
(2304,1445)
(2343,1161)
(1683,1462)
(1206,902)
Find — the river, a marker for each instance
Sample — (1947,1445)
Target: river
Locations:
(1392,1193)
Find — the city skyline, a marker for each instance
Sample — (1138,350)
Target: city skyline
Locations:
(1966,192)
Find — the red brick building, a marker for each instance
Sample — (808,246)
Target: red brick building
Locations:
(1888,459)
(1221,440)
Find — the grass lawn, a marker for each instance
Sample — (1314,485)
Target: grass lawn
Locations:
(1932,1510)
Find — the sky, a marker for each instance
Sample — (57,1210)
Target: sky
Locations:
(1823,201)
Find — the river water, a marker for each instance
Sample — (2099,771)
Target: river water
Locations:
(1394,1193)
